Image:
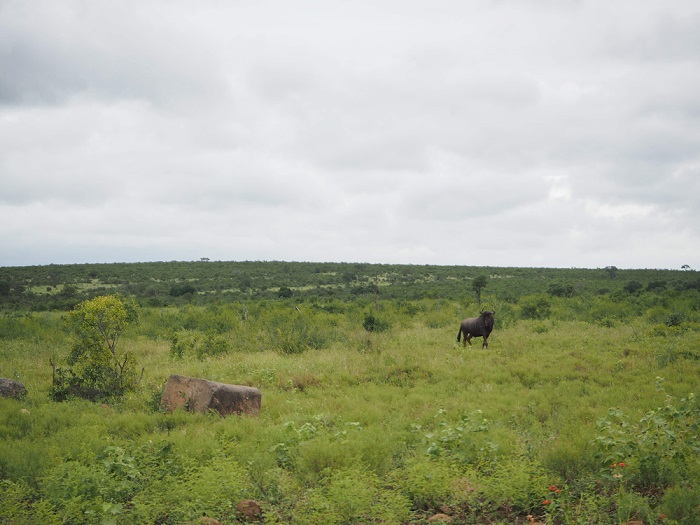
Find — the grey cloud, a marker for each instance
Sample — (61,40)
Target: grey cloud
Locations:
(670,36)
(65,49)
(378,131)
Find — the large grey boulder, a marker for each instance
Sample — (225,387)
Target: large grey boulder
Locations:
(12,388)
(200,395)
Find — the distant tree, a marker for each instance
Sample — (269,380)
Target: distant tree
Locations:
(285,291)
(96,369)
(245,283)
(181,289)
(478,285)
(560,290)
(612,271)
(685,267)
(68,291)
(633,286)
(656,286)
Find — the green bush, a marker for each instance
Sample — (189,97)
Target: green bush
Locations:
(295,333)
(518,482)
(659,449)
(212,345)
(211,489)
(351,496)
(682,505)
(95,369)
(429,482)
(181,289)
(535,307)
(19,506)
(372,323)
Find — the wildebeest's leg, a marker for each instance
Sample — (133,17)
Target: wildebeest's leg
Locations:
(486,342)
(467,339)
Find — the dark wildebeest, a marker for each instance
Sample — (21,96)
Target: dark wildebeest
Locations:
(477,327)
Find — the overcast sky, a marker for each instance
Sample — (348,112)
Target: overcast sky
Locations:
(558,133)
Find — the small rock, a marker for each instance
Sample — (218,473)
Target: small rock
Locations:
(249,510)
(11,388)
(206,520)
(23,411)
(440,518)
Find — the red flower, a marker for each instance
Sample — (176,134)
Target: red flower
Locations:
(557,491)
(621,464)
(552,488)
(547,502)
(614,465)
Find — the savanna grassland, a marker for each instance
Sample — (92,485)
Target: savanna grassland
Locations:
(582,410)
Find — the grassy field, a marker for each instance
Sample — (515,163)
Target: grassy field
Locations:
(584,415)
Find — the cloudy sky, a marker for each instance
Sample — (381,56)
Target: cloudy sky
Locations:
(552,133)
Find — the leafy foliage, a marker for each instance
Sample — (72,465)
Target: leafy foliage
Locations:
(478,284)
(95,368)
(373,323)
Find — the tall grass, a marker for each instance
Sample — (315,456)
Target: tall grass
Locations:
(360,426)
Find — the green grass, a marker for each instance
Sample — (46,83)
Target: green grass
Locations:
(387,427)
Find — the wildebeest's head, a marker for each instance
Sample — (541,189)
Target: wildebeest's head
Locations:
(487,318)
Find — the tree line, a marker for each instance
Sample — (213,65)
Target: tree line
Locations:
(61,287)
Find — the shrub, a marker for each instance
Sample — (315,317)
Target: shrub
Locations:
(660,447)
(200,344)
(285,292)
(374,324)
(179,290)
(535,307)
(682,504)
(517,484)
(560,290)
(212,345)
(674,319)
(351,496)
(633,287)
(20,506)
(296,332)
(95,367)
(211,488)
(429,482)
(181,344)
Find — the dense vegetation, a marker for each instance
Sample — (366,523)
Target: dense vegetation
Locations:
(60,287)
(581,411)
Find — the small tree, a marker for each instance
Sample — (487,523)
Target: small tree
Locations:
(478,284)
(285,292)
(612,271)
(95,367)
